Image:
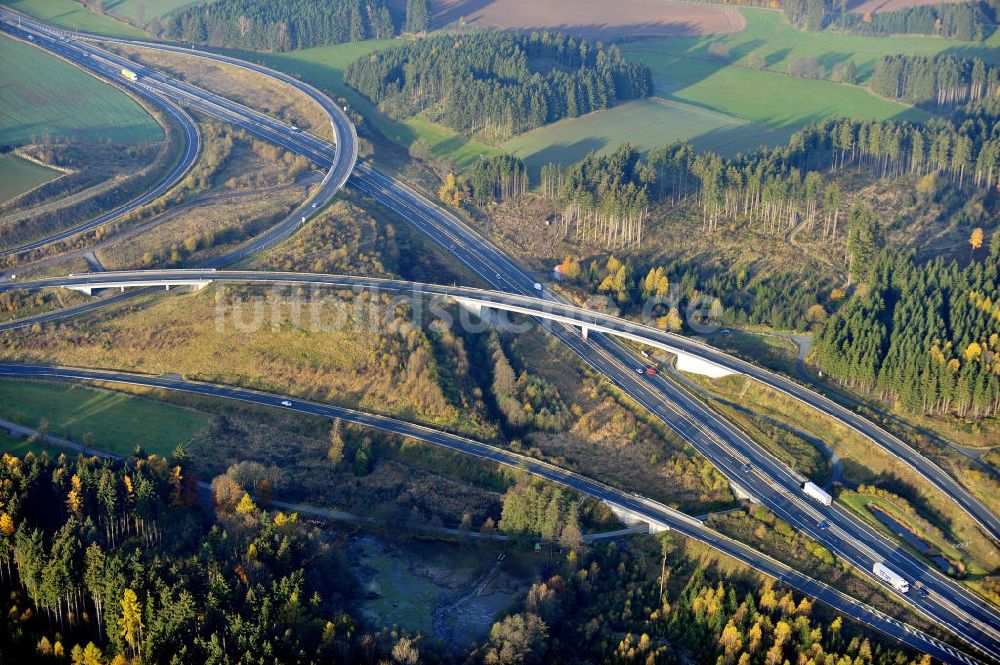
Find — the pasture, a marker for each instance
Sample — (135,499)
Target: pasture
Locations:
(117,422)
(19,175)
(644,123)
(70,14)
(144,11)
(770,36)
(768,98)
(42,95)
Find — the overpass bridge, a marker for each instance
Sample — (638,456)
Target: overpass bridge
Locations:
(474,300)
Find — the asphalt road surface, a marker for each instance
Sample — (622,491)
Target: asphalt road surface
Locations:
(651,511)
(769,481)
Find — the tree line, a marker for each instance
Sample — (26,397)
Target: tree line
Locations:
(938,81)
(262,25)
(605,196)
(923,335)
(497,85)
(954,20)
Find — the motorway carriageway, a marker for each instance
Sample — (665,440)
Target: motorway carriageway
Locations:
(769,480)
(482,258)
(651,511)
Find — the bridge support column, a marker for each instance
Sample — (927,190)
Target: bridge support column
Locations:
(198,286)
(630,518)
(82,289)
(471,307)
(585,331)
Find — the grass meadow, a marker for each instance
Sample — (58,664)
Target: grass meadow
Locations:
(42,95)
(144,11)
(21,175)
(117,422)
(75,16)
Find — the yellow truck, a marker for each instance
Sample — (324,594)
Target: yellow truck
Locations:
(129,74)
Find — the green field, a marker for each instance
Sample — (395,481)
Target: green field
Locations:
(144,11)
(20,175)
(72,14)
(769,98)
(9,444)
(769,35)
(644,123)
(117,422)
(42,95)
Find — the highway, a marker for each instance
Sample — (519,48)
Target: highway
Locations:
(769,482)
(496,269)
(651,511)
(191,141)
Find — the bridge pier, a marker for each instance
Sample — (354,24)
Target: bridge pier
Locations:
(631,519)
(585,331)
(471,307)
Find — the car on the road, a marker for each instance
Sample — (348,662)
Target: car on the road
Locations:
(285,402)
(295,130)
(651,371)
(640,370)
(823,524)
(747,468)
(315,205)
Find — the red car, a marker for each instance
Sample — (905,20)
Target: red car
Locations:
(650,371)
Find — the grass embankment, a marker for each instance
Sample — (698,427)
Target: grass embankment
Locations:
(74,15)
(42,95)
(117,422)
(864,463)
(773,351)
(18,176)
(898,509)
(242,85)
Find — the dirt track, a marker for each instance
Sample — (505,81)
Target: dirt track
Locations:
(597,19)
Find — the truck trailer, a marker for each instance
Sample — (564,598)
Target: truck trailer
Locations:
(129,74)
(891,577)
(816,492)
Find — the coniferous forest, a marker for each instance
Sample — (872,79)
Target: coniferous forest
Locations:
(925,335)
(105,559)
(263,25)
(497,85)
(939,81)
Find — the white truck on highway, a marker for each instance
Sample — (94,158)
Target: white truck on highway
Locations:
(891,577)
(814,491)
(129,74)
